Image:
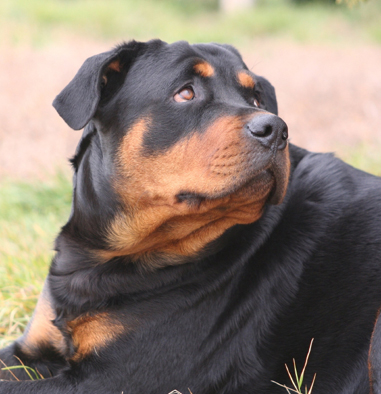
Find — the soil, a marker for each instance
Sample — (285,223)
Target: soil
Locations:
(329,96)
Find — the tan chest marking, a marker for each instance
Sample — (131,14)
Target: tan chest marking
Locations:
(92,333)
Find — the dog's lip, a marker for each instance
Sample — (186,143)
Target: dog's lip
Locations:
(263,179)
(269,183)
(275,196)
(257,183)
(280,171)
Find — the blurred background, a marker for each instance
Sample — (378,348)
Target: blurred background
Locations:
(323,58)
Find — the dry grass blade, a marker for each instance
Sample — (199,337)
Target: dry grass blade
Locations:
(306,362)
(6,369)
(41,375)
(36,373)
(297,381)
(285,387)
(312,384)
(26,369)
(291,378)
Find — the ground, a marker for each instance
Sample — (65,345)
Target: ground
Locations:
(330,97)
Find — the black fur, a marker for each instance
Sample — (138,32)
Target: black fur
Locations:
(227,320)
(375,358)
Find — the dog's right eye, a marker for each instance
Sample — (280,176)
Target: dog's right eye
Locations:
(185,94)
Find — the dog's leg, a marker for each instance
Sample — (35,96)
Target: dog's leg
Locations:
(56,385)
(99,381)
(42,346)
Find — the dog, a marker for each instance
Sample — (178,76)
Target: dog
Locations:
(203,250)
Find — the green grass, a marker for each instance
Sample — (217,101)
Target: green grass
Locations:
(297,379)
(364,157)
(42,21)
(32,373)
(30,217)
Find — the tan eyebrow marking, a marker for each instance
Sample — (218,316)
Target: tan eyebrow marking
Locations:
(245,79)
(204,69)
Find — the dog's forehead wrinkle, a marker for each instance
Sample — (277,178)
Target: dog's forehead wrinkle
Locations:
(220,57)
(164,57)
(151,85)
(181,57)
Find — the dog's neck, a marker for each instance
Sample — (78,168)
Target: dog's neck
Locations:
(96,284)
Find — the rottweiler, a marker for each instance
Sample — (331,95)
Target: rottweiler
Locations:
(203,250)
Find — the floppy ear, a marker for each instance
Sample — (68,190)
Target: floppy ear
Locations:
(267,93)
(79,100)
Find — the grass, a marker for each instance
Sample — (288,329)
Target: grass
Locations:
(31,215)
(39,22)
(298,379)
(365,157)
(32,373)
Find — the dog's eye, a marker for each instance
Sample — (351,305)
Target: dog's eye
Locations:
(256,103)
(184,95)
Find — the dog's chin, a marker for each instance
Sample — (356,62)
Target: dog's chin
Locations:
(257,187)
(271,183)
(261,187)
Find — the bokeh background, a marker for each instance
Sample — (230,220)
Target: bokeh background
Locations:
(323,58)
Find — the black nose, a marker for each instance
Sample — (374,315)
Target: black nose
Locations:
(270,130)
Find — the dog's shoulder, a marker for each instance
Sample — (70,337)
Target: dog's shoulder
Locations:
(326,179)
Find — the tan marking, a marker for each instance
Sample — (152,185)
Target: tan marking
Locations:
(40,330)
(204,69)
(245,79)
(92,333)
(115,65)
(204,163)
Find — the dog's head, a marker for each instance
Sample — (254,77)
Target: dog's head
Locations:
(187,138)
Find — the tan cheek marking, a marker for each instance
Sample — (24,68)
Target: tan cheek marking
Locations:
(156,180)
(208,230)
(204,69)
(245,80)
(41,331)
(92,333)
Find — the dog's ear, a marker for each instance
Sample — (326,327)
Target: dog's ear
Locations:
(97,79)
(267,95)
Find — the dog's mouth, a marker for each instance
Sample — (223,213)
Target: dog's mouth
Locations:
(268,184)
(255,186)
